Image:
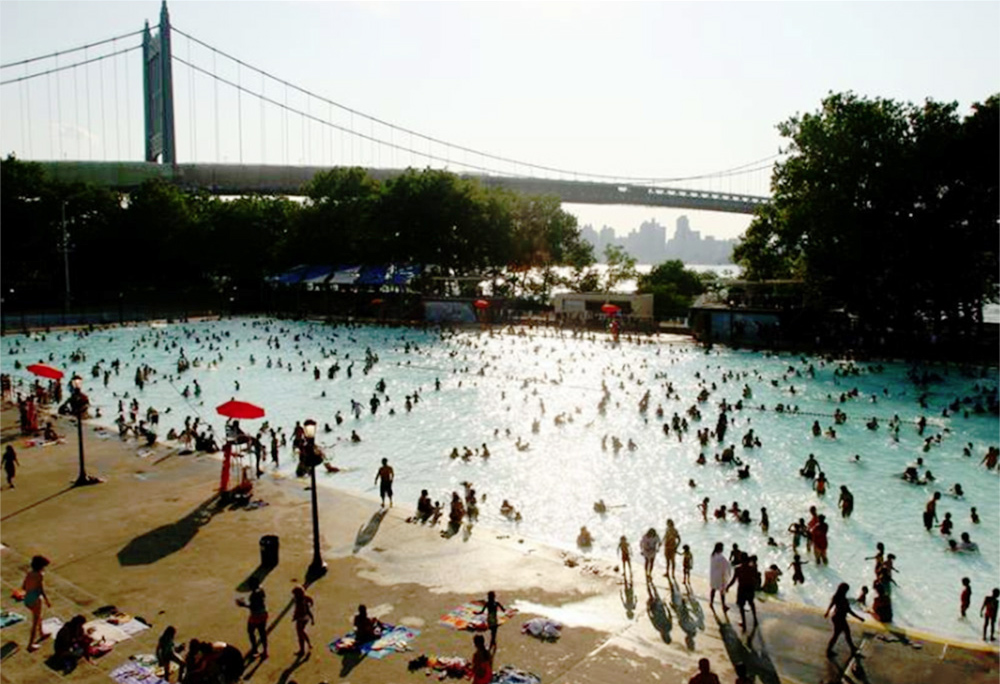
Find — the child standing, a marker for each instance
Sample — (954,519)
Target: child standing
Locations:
(687,563)
(797,576)
(966,597)
(492,621)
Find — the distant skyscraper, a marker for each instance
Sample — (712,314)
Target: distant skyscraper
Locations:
(649,245)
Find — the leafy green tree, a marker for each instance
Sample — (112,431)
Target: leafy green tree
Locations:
(337,223)
(889,210)
(620,267)
(673,288)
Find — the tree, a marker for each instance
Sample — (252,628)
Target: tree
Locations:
(673,288)
(886,209)
(620,267)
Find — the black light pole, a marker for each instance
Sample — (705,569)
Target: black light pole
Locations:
(79,403)
(313,457)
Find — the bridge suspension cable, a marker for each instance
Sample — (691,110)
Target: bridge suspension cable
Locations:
(74,65)
(739,170)
(66,52)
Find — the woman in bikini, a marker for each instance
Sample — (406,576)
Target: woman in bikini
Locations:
(34,592)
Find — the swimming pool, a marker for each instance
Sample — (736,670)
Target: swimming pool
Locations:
(494,383)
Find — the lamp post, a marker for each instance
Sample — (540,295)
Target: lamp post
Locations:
(312,457)
(79,402)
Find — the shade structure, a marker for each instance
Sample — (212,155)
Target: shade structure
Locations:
(481,304)
(45,370)
(239,409)
(610,308)
(377,301)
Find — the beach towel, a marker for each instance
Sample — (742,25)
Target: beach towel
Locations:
(9,617)
(509,674)
(132,626)
(102,631)
(543,628)
(394,639)
(147,660)
(467,616)
(133,673)
(38,441)
(51,626)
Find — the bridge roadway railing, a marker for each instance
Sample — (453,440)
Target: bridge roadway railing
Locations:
(234,179)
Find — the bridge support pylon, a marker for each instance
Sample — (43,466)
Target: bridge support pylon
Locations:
(158,92)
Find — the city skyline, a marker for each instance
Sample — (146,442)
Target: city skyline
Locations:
(649,244)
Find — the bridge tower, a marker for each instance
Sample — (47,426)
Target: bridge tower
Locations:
(158,92)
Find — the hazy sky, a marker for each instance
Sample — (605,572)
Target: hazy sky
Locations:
(657,89)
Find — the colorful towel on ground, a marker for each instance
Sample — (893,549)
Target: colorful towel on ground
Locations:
(511,675)
(9,617)
(467,616)
(394,639)
(133,673)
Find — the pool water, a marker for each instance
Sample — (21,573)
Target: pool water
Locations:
(492,383)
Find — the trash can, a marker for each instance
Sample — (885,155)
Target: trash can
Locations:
(269,550)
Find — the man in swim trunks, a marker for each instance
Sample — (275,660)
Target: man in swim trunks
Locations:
(386,474)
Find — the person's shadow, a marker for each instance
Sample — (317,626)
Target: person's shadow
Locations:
(368,531)
(658,613)
(627,595)
(299,661)
(350,660)
(159,543)
(685,614)
(758,665)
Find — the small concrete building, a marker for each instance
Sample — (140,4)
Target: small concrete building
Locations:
(587,305)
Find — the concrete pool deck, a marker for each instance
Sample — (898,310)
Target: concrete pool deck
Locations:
(152,541)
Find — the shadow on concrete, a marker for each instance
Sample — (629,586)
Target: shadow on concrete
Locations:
(627,595)
(368,531)
(37,503)
(685,607)
(758,664)
(157,544)
(349,661)
(299,661)
(658,613)
(258,574)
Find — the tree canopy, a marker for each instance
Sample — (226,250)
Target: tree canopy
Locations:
(888,210)
(161,238)
(673,288)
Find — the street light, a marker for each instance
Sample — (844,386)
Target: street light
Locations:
(312,456)
(78,403)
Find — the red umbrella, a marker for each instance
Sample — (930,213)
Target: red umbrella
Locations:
(610,309)
(45,370)
(481,304)
(239,409)
(377,301)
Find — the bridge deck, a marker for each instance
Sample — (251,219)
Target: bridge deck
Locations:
(234,179)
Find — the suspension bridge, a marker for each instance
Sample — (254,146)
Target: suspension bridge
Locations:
(312,133)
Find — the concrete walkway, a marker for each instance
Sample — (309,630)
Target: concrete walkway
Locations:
(154,542)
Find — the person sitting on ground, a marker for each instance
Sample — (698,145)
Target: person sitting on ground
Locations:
(366,629)
(771,576)
(584,540)
(71,642)
(424,508)
(600,506)
(506,509)
(50,433)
